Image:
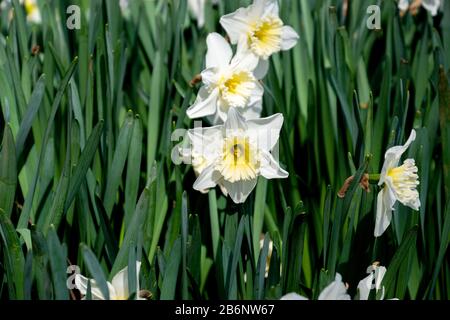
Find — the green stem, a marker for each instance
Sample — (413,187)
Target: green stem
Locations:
(214,217)
(270,222)
(374,178)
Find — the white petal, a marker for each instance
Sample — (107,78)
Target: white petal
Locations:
(266,131)
(35,17)
(335,290)
(256,97)
(270,168)
(222,188)
(270,7)
(432,6)
(261,69)
(219,51)
(364,287)
(236,24)
(393,155)
(235,120)
(210,76)
(197,7)
(253,111)
(289,38)
(244,59)
(204,105)
(207,179)
(81,284)
(293,296)
(385,202)
(403,5)
(240,190)
(120,282)
(206,141)
(219,117)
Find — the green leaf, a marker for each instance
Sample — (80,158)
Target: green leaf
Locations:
(30,114)
(442,250)
(136,226)
(14,259)
(85,160)
(118,164)
(95,269)
(400,255)
(261,269)
(258,213)
(8,172)
(171,272)
(184,236)
(58,264)
(25,215)
(133,170)
(236,256)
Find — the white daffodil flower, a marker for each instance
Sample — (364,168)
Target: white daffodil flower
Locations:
(262,31)
(227,82)
(118,287)
(33,12)
(336,290)
(372,281)
(234,154)
(400,184)
(31,9)
(197,8)
(431,6)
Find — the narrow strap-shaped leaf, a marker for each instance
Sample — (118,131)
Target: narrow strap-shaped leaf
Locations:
(96,270)
(14,259)
(118,163)
(30,114)
(400,255)
(23,220)
(58,264)
(79,174)
(8,172)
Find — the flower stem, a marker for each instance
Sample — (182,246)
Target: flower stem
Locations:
(374,178)
(214,217)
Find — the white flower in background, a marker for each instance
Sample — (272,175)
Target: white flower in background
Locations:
(234,154)
(227,82)
(262,31)
(400,184)
(31,9)
(118,287)
(372,281)
(197,8)
(336,290)
(430,5)
(269,254)
(33,12)
(125,8)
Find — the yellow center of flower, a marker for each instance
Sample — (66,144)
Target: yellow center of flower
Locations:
(30,6)
(239,160)
(237,89)
(405,181)
(265,36)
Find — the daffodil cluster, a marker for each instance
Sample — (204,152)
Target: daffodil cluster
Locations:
(239,147)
